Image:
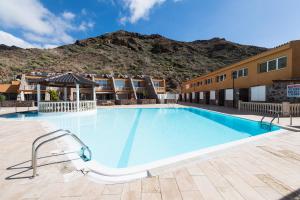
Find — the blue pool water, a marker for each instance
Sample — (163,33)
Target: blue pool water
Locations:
(124,137)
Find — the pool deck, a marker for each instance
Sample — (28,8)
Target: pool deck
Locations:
(267,168)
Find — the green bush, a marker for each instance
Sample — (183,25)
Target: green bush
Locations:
(53,95)
(2,98)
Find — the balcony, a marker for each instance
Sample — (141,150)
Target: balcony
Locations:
(104,88)
(123,88)
(140,89)
(160,89)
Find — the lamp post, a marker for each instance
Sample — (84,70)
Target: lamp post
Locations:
(233,75)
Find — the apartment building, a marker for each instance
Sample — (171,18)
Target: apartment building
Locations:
(266,77)
(110,88)
(124,87)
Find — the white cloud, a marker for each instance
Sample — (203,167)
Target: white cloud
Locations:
(10,40)
(85,26)
(37,23)
(139,9)
(68,15)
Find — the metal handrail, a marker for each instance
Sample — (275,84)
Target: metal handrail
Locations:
(67,133)
(274,117)
(40,137)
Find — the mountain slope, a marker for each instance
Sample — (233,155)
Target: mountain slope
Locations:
(128,53)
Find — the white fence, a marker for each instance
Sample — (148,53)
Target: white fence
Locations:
(295,109)
(66,106)
(285,108)
(264,108)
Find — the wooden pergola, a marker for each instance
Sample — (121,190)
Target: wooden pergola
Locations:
(67,80)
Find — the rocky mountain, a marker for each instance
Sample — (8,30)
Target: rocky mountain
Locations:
(129,53)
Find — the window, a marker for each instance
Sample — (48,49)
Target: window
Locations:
(137,84)
(156,84)
(282,62)
(272,65)
(246,72)
(209,81)
(120,83)
(263,67)
(221,78)
(234,74)
(240,73)
(102,82)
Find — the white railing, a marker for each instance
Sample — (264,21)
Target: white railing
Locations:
(66,106)
(284,109)
(263,108)
(160,89)
(295,109)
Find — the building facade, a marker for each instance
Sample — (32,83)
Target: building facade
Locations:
(261,78)
(110,88)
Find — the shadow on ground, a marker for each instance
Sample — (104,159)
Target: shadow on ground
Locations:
(24,175)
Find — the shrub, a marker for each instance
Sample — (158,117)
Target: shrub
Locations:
(2,98)
(53,95)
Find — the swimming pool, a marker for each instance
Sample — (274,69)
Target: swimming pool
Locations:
(130,137)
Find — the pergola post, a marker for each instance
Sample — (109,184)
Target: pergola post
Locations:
(65,94)
(94,93)
(77,96)
(38,88)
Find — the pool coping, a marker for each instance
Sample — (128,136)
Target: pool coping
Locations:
(108,175)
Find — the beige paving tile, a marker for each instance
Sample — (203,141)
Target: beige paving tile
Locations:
(113,189)
(194,170)
(132,190)
(169,189)
(275,184)
(268,193)
(243,188)
(191,195)
(150,185)
(229,193)
(109,197)
(206,188)
(151,196)
(213,175)
(184,180)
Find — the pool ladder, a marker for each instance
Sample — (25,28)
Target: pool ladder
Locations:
(277,114)
(56,135)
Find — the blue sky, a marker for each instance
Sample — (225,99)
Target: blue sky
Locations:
(49,23)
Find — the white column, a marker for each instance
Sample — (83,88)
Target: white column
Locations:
(77,96)
(22,97)
(94,93)
(65,94)
(38,88)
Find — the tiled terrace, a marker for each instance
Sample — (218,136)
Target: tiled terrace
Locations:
(267,168)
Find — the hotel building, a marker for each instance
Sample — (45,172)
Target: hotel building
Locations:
(261,78)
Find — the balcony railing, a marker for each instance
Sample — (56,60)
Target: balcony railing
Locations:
(66,106)
(160,89)
(122,88)
(139,89)
(104,87)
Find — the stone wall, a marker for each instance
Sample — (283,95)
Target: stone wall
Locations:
(277,92)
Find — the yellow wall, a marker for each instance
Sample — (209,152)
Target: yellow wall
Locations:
(292,70)
(296,59)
